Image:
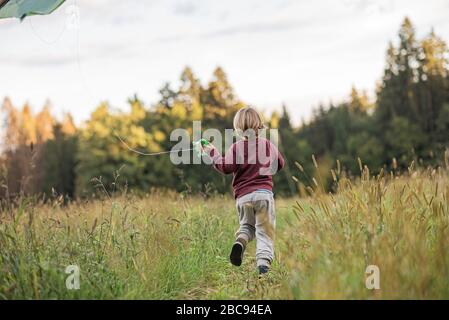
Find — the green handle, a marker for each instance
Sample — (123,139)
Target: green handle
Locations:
(198,145)
(204,142)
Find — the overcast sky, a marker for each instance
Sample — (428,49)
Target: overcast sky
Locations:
(298,52)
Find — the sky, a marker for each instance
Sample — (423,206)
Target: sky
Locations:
(297,53)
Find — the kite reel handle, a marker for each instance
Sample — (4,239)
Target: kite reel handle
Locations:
(198,146)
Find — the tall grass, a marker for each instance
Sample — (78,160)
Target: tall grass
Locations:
(168,246)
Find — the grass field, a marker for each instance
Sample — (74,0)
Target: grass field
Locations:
(168,246)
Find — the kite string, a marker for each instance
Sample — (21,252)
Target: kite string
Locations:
(77,49)
(51,42)
(149,154)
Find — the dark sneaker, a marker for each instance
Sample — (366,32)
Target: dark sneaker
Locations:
(236,256)
(263,269)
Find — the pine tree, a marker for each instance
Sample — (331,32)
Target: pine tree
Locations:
(433,86)
(168,96)
(408,70)
(44,125)
(190,89)
(359,102)
(288,147)
(28,127)
(26,153)
(12,124)
(387,97)
(68,127)
(398,98)
(219,100)
(11,147)
(60,160)
(220,89)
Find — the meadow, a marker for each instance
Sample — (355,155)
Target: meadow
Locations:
(165,245)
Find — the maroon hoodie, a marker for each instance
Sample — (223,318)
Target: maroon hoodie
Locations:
(252,163)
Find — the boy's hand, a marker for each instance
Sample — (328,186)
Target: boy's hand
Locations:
(208,148)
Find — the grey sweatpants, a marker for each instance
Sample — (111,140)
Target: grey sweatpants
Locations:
(257,220)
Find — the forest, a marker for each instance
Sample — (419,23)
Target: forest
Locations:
(407,123)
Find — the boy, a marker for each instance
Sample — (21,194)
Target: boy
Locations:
(252,161)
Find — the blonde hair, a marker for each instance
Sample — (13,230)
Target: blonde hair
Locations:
(248,119)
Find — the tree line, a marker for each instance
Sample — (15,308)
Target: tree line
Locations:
(408,121)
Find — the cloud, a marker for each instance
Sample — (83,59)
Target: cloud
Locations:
(258,27)
(370,6)
(96,51)
(43,60)
(185,8)
(253,28)
(127,19)
(171,38)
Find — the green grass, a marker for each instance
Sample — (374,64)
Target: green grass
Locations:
(168,246)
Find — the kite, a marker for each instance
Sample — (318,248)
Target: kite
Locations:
(23,8)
